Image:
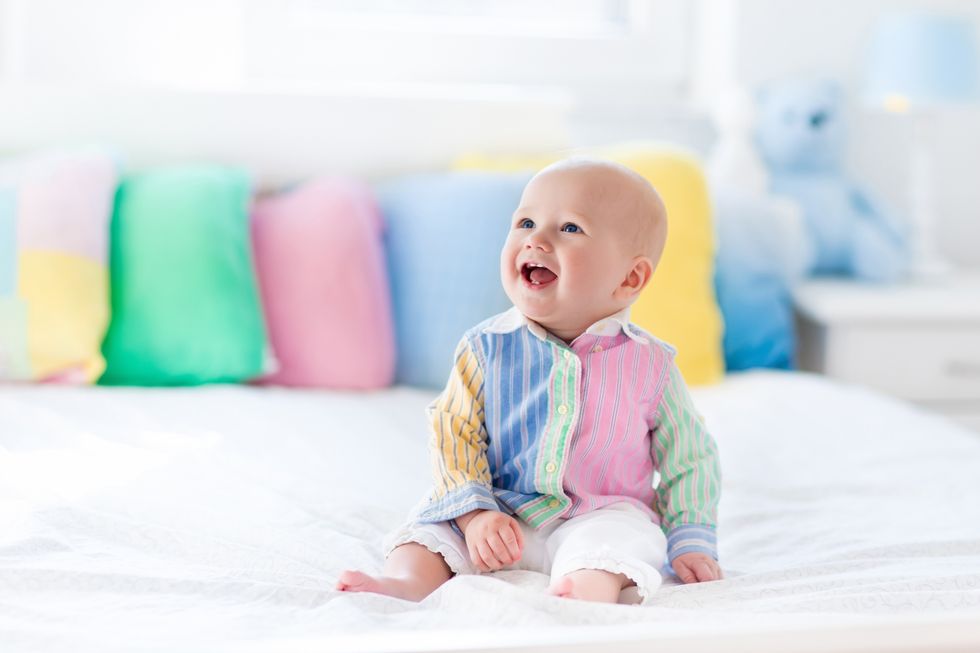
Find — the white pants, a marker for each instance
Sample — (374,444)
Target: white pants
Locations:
(618,538)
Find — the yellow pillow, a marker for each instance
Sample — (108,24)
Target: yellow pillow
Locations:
(679,304)
(55,211)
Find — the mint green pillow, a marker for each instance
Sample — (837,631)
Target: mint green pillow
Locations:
(185,304)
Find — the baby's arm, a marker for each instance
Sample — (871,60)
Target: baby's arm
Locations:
(463,491)
(690,483)
(458,444)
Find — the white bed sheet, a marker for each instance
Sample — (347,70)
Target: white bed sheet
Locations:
(212,517)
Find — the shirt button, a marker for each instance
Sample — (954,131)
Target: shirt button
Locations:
(597,348)
(550,467)
(568,354)
(562,409)
(553,503)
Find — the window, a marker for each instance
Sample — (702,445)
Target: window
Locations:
(586,47)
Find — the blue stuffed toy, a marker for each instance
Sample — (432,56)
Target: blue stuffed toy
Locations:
(801,136)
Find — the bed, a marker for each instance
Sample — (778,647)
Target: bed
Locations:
(217,518)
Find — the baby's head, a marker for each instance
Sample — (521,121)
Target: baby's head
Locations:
(584,242)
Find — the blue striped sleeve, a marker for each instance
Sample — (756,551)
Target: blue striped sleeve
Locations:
(691,538)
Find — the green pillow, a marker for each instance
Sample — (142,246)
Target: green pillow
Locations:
(185,304)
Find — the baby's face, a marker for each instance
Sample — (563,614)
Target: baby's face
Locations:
(569,248)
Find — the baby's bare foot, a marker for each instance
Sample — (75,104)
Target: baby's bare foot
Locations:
(357,581)
(589,585)
(564,587)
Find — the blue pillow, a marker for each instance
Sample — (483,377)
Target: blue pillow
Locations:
(762,250)
(443,238)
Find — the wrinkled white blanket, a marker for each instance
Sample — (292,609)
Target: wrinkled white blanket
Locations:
(209,517)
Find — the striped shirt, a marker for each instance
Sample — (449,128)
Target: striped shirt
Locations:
(544,430)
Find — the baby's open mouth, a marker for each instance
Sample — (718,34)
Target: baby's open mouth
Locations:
(537,275)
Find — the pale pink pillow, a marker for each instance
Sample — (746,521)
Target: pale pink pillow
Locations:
(321,266)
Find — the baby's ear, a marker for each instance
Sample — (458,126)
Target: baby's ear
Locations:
(637,278)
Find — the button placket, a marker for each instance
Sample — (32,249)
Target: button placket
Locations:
(572,367)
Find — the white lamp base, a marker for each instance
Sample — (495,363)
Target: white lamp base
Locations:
(927,263)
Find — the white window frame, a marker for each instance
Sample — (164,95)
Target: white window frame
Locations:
(262,43)
(646,55)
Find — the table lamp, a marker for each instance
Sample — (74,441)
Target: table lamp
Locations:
(917,63)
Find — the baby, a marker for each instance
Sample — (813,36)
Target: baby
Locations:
(565,441)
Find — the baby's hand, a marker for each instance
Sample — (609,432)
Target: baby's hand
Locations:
(696,568)
(493,539)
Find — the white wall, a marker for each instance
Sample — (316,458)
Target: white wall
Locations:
(285,135)
(778,38)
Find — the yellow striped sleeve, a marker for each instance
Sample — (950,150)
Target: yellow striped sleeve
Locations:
(458,443)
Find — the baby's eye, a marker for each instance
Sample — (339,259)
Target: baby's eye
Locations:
(526,223)
(571,228)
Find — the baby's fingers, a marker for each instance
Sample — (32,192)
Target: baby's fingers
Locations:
(488,556)
(477,559)
(512,539)
(516,527)
(500,550)
(706,570)
(684,572)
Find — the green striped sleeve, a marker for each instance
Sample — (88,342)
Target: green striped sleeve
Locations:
(690,476)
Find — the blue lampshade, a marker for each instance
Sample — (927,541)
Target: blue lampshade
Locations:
(919,58)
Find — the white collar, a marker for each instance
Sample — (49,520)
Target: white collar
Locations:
(513,319)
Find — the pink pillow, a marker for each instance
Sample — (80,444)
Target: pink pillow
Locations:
(320,261)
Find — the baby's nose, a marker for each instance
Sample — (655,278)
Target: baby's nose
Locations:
(537,242)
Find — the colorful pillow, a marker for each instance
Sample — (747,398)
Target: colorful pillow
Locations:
(185,302)
(54,281)
(444,234)
(679,304)
(321,268)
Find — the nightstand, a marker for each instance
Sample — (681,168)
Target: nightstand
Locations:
(916,341)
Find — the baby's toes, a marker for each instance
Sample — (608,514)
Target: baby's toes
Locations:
(355,581)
